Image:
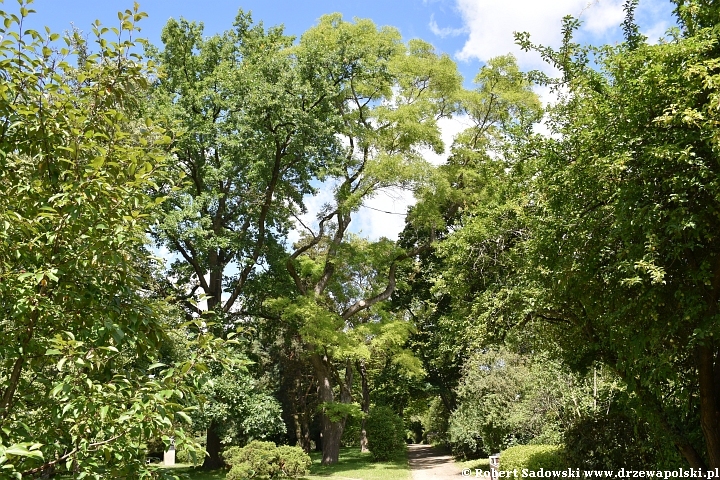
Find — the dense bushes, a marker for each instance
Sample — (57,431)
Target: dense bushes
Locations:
(265,460)
(435,423)
(533,457)
(505,399)
(617,439)
(386,433)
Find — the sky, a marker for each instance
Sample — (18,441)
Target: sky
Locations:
(470,31)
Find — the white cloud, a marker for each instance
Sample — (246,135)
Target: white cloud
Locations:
(491,25)
(373,222)
(445,31)
(655,32)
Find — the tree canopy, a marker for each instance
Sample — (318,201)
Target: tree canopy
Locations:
(548,287)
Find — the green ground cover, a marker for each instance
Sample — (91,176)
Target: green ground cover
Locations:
(353,464)
(481,463)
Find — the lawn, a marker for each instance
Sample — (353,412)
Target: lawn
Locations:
(352,465)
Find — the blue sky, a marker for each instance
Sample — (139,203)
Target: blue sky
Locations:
(471,31)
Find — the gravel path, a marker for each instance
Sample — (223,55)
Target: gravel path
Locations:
(427,463)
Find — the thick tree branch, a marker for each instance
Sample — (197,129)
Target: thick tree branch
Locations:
(261,225)
(389,289)
(191,258)
(290,263)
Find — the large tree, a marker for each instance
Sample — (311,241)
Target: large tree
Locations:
(625,249)
(615,252)
(259,120)
(80,329)
(389,97)
(254,127)
(478,192)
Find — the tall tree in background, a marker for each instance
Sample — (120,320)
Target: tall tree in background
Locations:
(389,98)
(478,192)
(254,127)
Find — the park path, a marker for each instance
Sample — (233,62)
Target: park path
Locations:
(428,463)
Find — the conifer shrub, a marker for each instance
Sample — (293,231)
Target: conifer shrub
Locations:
(294,462)
(265,460)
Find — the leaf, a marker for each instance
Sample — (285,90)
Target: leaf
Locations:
(185,417)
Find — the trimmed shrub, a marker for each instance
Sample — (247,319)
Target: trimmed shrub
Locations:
(294,462)
(386,434)
(256,459)
(265,460)
(533,457)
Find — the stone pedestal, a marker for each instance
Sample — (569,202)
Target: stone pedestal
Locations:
(169,456)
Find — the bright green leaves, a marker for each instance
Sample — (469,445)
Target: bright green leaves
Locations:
(76,178)
(602,234)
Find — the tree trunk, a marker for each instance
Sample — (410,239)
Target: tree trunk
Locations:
(364,405)
(213,446)
(332,429)
(709,414)
(213,461)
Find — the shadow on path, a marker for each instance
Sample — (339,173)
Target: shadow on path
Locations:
(427,462)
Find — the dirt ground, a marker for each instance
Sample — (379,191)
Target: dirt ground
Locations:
(427,463)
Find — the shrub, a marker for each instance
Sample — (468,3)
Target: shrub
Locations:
(611,440)
(294,462)
(256,459)
(533,457)
(464,436)
(183,455)
(386,433)
(265,460)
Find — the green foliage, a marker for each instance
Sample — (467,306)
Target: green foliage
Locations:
(388,97)
(506,399)
(351,432)
(610,440)
(239,409)
(435,422)
(633,157)
(81,329)
(264,460)
(338,411)
(294,462)
(598,243)
(386,433)
(533,457)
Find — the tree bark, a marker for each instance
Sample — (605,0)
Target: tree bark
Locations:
(364,405)
(331,430)
(709,414)
(213,445)
(213,461)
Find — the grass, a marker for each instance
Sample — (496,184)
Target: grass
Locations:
(360,466)
(481,463)
(353,465)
